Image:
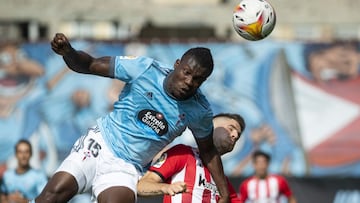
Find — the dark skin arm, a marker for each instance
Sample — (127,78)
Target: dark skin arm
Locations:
(80,61)
(212,161)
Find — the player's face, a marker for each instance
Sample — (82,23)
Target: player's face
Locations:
(186,78)
(339,62)
(261,165)
(227,132)
(23,154)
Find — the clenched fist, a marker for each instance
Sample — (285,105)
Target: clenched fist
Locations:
(61,45)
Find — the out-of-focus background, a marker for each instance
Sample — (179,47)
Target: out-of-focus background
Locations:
(298,89)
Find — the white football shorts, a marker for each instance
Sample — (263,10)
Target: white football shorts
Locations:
(95,167)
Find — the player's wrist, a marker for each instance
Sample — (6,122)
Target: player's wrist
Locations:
(165,190)
(225,194)
(69,52)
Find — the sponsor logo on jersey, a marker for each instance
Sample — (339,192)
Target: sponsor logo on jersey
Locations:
(155,120)
(207,185)
(160,161)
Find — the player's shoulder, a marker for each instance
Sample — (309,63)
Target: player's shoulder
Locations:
(247,180)
(176,153)
(277,177)
(141,61)
(200,98)
(9,172)
(36,172)
(180,149)
(162,67)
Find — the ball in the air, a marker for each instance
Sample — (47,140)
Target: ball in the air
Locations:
(254,19)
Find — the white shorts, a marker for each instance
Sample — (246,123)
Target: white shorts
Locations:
(94,166)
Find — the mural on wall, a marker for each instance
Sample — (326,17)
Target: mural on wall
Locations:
(299,100)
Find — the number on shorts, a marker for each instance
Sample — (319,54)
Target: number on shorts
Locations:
(94,147)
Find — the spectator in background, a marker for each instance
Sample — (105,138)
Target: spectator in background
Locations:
(19,93)
(263,187)
(179,173)
(23,183)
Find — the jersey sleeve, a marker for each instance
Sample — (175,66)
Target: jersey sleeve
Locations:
(3,188)
(171,161)
(233,195)
(243,194)
(284,186)
(202,121)
(127,68)
(41,182)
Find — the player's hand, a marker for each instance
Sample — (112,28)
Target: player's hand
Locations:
(175,188)
(60,44)
(16,197)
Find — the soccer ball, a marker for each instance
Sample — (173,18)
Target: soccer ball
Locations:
(254,19)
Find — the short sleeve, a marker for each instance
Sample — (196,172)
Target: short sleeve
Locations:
(127,68)
(201,125)
(41,182)
(3,189)
(171,162)
(284,186)
(243,193)
(233,195)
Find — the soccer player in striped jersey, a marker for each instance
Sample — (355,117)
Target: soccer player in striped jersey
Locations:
(180,175)
(263,187)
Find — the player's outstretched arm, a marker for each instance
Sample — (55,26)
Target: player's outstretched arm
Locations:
(80,61)
(212,161)
(151,184)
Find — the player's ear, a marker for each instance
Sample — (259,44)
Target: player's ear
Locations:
(177,63)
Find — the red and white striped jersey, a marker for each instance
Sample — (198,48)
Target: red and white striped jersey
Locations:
(182,163)
(266,190)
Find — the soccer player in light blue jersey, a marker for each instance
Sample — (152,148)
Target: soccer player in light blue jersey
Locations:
(22,183)
(156,105)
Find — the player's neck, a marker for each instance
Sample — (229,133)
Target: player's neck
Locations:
(22,169)
(166,87)
(262,176)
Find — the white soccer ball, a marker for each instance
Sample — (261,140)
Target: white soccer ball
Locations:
(254,19)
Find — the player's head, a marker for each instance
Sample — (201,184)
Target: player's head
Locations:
(261,161)
(326,61)
(227,131)
(23,152)
(194,67)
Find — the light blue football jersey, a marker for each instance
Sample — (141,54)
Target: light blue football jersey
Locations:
(145,118)
(29,184)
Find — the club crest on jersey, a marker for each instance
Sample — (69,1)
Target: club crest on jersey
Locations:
(127,57)
(155,120)
(160,161)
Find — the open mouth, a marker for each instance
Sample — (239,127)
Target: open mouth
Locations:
(13,85)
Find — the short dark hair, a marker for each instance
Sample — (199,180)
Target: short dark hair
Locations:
(23,141)
(202,55)
(258,153)
(234,116)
